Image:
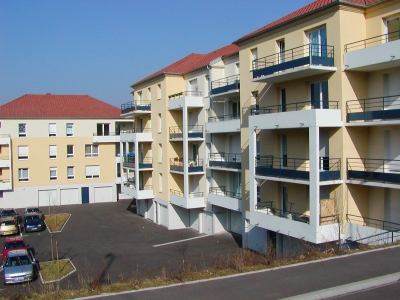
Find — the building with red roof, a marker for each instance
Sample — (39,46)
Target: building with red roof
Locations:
(59,149)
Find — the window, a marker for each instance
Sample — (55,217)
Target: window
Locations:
(319,94)
(282,94)
(91,150)
(140,97)
(22,152)
(52,129)
(71,172)
(70,150)
(22,130)
(281,48)
(70,129)
(318,42)
(149,92)
(103,129)
(193,85)
(160,182)
(92,171)
(158,91)
(53,173)
(53,151)
(160,153)
(23,175)
(393,27)
(254,56)
(159,123)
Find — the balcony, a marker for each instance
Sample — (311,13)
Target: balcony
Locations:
(188,99)
(298,106)
(144,163)
(371,231)
(177,165)
(192,200)
(373,109)
(5,161)
(106,137)
(297,168)
(375,53)
(373,170)
(137,107)
(194,132)
(299,62)
(220,197)
(225,160)
(231,123)
(5,184)
(136,135)
(228,86)
(145,192)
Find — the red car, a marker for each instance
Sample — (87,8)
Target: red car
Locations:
(14,243)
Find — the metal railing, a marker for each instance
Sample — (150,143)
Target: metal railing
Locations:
(225,160)
(106,134)
(222,192)
(177,164)
(305,105)
(224,118)
(136,105)
(309,54)
(136,130)
(283,213)
(191,195)
(377,108)
(194,131)
(184,94)
(370,169)
(296,168)
(225,84)
(375,223)
(379,39)
(131,185)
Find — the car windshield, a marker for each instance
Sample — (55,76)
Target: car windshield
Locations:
(14,245)
(29,219)
(7,223)
(31,210)
(14,261)
(6,213)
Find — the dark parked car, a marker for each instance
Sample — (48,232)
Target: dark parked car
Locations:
(33,209)
(33,222)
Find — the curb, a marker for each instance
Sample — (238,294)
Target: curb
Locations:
(56,280)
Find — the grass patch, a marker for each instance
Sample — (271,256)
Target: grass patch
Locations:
(56,222)
(54,270)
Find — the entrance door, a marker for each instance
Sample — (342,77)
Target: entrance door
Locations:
(283,99)
(284,162)
(319,94)
(85,195)
(318,42)
(237,184)
(281,46)
(285,206)
(235,110)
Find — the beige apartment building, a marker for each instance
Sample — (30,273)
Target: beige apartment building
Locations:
(58,150)
(289,134)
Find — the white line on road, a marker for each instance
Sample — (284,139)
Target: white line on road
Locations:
(180,241)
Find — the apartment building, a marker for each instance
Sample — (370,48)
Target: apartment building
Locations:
(320,133)
(289,136)
(58,150)
(166,156)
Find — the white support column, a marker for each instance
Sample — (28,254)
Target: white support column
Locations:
(136,143)
(313,135)
(185,151)
(252,168)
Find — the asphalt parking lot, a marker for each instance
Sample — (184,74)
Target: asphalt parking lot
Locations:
(108,241)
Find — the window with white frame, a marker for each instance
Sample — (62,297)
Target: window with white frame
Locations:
(22,130)
(23,174)
(70,129)
(53,173)
(71,172)
(91,150)
(53,151)
(92,171)
(70,151)
(22,152)
(52,129)
(318,42)
(253,57)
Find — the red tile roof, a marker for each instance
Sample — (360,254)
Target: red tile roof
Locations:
(192,62)
(50,106)
(309,8)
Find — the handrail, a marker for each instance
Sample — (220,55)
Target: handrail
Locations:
(225,81)
(226,157)
(376,165)
(379,38)
(331,164)
(293,54)
(376,223)
(142,105)
(284,213)
(222,192)
(108,134)
(291,107)
(136,130)
(186,93)
(191,194)
(372,236)
(224,118)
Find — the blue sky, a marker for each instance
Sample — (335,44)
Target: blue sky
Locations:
(101,47)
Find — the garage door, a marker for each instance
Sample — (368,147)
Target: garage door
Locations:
(194,219)
(207,223)
(48,198)
(236,222)
(103,194)
(163,215)
(69,196)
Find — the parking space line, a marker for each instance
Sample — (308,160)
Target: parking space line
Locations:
(180,241)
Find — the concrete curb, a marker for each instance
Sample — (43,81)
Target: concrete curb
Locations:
(47,227)
(56,280)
